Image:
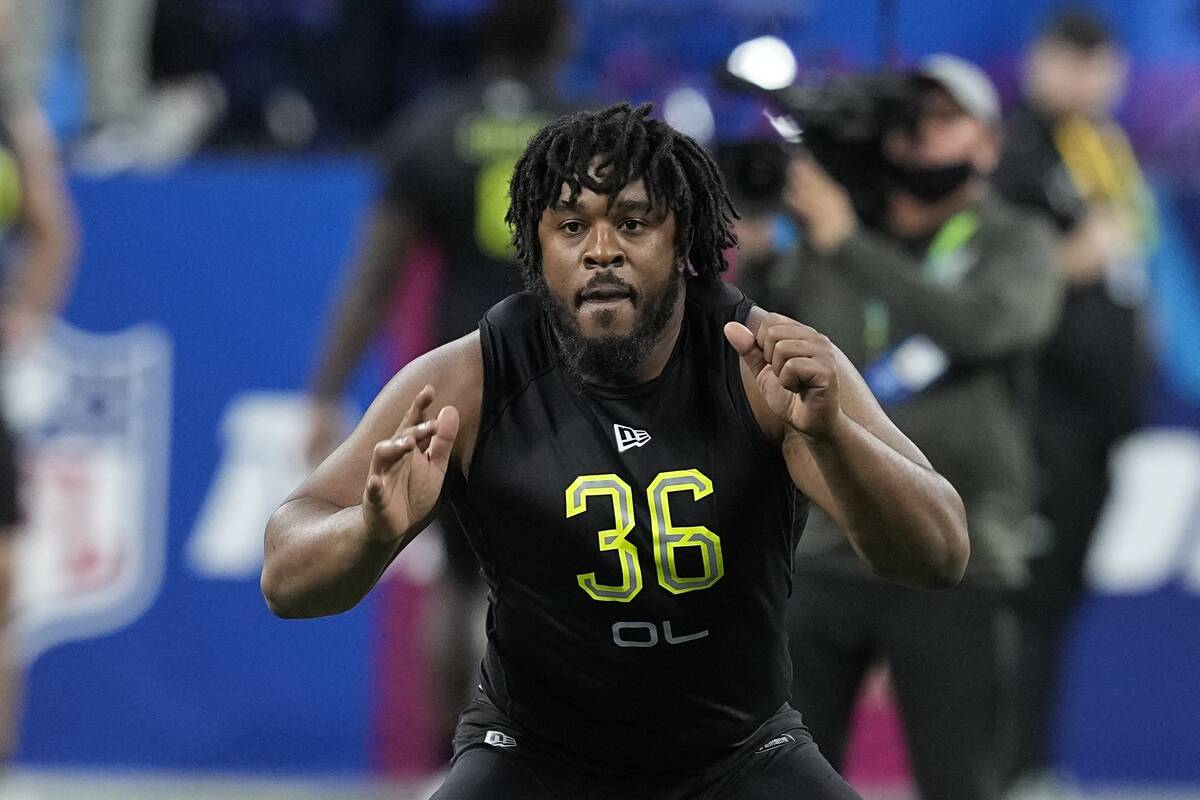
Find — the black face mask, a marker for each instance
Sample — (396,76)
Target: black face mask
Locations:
(931,183)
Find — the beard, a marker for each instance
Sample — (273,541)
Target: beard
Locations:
(609,358)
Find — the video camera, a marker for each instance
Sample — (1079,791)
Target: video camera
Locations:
(840,122)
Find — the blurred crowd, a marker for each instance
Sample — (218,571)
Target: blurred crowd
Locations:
(992,301)
(158,81)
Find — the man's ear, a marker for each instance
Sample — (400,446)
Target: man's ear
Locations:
(682,252)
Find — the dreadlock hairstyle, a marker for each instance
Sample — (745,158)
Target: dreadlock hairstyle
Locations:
(677,172)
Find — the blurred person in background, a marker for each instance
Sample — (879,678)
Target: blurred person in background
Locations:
(114,37)
(943,309)
(37,247)
(127,122)
(755,170)
(448,164)
(1065,156)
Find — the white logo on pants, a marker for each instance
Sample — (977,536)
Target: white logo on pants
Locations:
(499,739)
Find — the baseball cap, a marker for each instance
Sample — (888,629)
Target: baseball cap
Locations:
(966,84)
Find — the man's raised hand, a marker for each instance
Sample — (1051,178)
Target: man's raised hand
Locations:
(408,470)
(795,368)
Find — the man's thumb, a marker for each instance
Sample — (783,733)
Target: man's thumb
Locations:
(743,342)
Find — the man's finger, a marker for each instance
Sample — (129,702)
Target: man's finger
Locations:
(803,373)
(442,443)
(744,343)
(420,433)
(786,349)
(768,333)
(785,327)
(799,170)
(415,410)
(808,170)
(772,336)
(388,452)
(375,491)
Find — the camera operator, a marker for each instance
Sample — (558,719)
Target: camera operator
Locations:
(942,305)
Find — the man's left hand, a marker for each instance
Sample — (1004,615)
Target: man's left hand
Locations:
(820,204)
(795,368)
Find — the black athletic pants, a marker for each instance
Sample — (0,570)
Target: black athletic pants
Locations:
(950,657)
(498,760)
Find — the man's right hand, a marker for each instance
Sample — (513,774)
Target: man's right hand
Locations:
(408,470)
(820,203)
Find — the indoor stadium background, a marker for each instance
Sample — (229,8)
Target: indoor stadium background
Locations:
(191,329)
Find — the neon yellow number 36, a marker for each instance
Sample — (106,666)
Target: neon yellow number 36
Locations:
(668,538)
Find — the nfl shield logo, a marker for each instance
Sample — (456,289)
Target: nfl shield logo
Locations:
(92,413)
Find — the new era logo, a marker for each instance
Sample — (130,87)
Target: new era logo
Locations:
(498,739)
(629,437)
(778,741)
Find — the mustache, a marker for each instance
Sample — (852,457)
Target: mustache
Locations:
(605,279)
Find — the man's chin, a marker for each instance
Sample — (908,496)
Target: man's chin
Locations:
(602,321)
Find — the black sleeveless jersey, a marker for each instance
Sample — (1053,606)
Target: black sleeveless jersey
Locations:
(637,544)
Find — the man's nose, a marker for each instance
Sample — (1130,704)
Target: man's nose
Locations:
(604,249)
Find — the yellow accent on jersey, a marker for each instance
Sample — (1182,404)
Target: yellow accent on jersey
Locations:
(668,538)
(10,190)
(613,487)
(492,233)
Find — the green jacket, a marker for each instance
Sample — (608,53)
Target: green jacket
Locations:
(964,312)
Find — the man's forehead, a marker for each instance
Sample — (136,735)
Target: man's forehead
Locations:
(632,193)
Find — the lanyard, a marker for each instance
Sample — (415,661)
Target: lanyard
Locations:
(939,266)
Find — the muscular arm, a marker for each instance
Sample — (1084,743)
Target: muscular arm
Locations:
(321,554)
(903,518)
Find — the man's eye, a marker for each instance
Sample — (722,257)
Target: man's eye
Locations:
(632,225)
(572,226)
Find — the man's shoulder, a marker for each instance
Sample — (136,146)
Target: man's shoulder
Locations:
(712,294)
(459,361)
(516,342)
(514,313)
